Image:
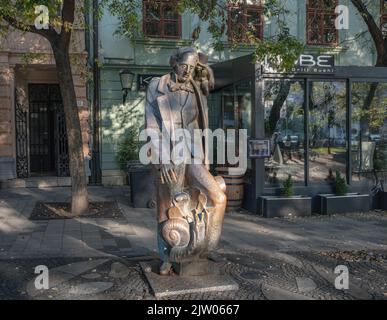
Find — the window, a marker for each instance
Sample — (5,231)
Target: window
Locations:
(161,20)
(327,130)
(284,127)
(383,10)
(245,19)
(369,130)
(321,17)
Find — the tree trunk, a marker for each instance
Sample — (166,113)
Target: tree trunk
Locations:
(279,101)
(79,194)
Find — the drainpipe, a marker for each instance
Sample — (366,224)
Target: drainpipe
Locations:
(96,174)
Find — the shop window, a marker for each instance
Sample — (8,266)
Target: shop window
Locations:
(284,127)
(369,131)
(161,20)
(245,20)
(321,18)
(234,104)
(327,130)
(383,4)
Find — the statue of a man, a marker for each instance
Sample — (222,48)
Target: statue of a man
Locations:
(190,201)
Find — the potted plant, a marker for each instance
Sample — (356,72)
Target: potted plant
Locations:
(342,201)
(127,152)
(286,205)
(140,178)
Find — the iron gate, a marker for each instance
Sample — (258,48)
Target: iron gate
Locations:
(21,122)
(41,134)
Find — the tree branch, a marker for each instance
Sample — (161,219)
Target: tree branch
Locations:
(68,16)
(373,27)
(49,34)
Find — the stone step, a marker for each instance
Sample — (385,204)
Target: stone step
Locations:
(36,182)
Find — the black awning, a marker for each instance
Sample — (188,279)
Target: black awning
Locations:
(232,71)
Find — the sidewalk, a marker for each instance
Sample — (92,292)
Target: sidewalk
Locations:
(135,233)
(269,258)
(83,237)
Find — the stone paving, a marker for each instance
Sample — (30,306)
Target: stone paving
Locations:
(23,238)
(268,258)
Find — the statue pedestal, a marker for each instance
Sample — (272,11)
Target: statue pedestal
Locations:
(166,286)
(201,267)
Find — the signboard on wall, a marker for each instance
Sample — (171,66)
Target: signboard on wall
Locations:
(307,64)
(143,80)
(259,149)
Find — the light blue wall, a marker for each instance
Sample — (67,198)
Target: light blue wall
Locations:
(157,52)
(152,57)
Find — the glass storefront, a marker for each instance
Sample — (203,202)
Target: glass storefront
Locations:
(369,130)
(327,130)
(234,103)
(317,124)
(284,126)
(326,118)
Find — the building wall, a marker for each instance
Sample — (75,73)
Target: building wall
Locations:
(152,57)
(27,58)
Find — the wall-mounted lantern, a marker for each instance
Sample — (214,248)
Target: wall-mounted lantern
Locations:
(127,78)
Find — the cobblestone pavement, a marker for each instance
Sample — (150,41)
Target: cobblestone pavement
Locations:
(269,258)
(310,276)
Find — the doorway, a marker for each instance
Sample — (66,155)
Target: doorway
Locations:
(48,150)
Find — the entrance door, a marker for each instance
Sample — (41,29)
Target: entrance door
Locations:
(48,153)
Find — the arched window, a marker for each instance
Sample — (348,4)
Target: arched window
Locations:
(320,22)
(161,20)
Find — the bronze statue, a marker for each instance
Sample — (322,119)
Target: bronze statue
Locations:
(190,201)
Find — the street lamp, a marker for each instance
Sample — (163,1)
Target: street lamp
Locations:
(127,78)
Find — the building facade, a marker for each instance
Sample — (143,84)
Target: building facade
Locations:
(312,22)
(33,138)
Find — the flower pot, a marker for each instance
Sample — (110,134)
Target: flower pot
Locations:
(354,202)
(276,206)
(383,200)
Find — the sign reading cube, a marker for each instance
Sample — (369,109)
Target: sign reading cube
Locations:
(308,64)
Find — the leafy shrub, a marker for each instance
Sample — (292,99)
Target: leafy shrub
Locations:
(288,187)
(341,186)
(128,148)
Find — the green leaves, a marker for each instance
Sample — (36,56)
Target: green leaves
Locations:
(340,185)
(282,48)
(128,148)
(282,53)
(288,187)
(24,10)
(128,14)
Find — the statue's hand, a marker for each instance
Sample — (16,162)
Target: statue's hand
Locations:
(209,75)
(168,174)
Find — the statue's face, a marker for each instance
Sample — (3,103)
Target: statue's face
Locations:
(184,71)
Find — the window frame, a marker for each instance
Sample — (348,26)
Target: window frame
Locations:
(162,22)
(383,17)
(321,12)
(248,8)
